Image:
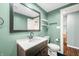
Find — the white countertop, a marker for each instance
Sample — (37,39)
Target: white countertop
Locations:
(27,43)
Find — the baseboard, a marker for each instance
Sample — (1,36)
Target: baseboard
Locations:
(73,46)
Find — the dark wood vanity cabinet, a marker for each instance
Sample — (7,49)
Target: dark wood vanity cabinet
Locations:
(39,50)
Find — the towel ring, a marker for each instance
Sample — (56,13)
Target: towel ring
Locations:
(1,21)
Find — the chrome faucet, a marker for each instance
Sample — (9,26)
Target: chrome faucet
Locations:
(31,35)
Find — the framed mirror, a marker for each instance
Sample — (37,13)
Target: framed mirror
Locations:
(23,18)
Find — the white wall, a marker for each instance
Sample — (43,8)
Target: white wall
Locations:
(73,29)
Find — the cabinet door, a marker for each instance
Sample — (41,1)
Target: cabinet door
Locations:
(44,52)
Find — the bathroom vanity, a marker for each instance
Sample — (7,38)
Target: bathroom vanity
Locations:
(32,47)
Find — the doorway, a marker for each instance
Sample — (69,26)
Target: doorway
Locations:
(69,32)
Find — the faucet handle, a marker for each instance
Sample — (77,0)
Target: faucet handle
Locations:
(31,35)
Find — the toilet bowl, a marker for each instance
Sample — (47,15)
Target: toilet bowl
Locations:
(53,49)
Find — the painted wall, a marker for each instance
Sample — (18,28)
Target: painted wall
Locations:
(73,29)
(53,32)
(7,39)
(54,17)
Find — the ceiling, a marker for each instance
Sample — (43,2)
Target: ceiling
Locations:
(51,6)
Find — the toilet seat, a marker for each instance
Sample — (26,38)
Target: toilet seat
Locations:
(53,47)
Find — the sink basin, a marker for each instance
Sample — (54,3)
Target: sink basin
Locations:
(31,41)
(28,43)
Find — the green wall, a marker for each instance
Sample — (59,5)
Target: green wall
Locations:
(53,32)
(7,39)
(54,17)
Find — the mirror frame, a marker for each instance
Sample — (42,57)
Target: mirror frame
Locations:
(11,28)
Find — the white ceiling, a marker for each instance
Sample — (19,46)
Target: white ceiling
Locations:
(51,6)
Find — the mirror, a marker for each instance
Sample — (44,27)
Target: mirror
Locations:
(23,18)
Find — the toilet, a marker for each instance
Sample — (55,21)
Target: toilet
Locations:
(53,49)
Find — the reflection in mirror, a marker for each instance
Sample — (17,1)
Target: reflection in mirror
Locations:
(23,18)
(34,22)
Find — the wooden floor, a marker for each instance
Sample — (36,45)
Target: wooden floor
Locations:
(68,51)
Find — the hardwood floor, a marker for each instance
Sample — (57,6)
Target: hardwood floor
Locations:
(68,51)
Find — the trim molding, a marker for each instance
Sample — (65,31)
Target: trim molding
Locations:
(73,46)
